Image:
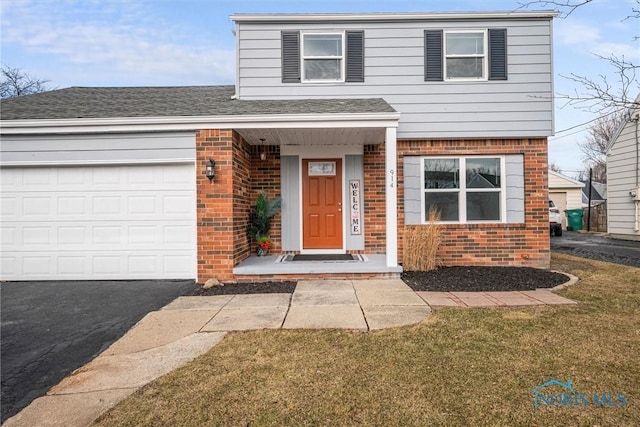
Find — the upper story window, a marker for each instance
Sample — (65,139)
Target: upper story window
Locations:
(309,57)
(455,55)
(465,55)
(464,189)
(322,57)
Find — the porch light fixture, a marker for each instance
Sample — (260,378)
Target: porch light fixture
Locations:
(263,153)
(210,172)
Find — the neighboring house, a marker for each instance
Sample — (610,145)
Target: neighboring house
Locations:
(565,193)
(360,122)
(623,178)
(598,193)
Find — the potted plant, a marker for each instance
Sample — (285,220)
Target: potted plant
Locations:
(259,225)
(264,244)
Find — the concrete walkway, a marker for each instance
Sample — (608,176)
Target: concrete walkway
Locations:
(189,326)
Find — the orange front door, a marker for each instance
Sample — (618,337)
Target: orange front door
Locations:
(322,204)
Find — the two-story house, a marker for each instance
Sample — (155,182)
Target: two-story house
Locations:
(361,123)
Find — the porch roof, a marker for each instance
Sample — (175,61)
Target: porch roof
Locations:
(183,101)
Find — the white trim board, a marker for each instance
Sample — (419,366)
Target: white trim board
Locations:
(150,124)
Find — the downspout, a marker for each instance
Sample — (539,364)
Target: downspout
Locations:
(637,196)
(636,119)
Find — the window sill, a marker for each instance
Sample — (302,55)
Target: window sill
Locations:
(484,226)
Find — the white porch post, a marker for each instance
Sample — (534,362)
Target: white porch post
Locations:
(391,195)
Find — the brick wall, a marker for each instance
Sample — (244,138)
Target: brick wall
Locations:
(265,178)
(491,244)
(215,210)
(375,226)
(223,205)
(242,196)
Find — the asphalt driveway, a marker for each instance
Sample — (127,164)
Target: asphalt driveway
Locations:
(598,247)
(51,328)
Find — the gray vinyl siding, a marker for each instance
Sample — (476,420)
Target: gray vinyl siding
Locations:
(354,170)
(412,190)
(621,179)
(394,69)
(290,186)
(91,149)
(514,178)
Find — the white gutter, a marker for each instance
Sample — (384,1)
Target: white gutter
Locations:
(401,16)
(182,123)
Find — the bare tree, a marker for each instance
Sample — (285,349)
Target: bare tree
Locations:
(15,82)
(600,94)
(594,146)
(555,167)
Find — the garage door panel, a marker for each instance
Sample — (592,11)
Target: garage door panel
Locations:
(175,265)
(84,235)
(121,222)
(36,266)
(8,207)
(8,265)
(36,206)
(72,265)
(72,207)
(37,236)
(38,177)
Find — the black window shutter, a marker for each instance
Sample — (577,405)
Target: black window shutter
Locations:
(290,57)
(433,55)
(497,54)
(355,56)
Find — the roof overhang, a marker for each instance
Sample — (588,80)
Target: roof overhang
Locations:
(387,17)
(635,105)
(363,128)
(569,182)
(150,124)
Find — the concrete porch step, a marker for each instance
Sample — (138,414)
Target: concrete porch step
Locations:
(270,267)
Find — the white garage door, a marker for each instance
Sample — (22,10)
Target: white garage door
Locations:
(98,222)
(560,200)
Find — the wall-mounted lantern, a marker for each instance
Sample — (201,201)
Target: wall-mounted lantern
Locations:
(263,152)
(210,172)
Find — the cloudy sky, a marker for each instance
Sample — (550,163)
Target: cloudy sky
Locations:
(190,42)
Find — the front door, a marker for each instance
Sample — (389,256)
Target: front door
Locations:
(322,204)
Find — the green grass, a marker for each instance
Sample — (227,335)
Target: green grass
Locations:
(461,367)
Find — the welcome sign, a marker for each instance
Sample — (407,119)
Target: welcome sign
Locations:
(354,202)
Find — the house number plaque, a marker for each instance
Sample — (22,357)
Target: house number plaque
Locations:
(354,202)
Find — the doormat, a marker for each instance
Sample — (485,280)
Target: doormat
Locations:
(324,258)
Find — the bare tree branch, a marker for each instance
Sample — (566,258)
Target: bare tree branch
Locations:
(15,82)
(555,167)
(567,6)
(602,95)
(599,94)
(593,148)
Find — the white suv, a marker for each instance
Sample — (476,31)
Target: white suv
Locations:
(555,219)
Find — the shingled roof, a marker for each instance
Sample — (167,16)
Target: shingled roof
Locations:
(113,102)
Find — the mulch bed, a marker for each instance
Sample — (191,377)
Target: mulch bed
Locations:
(482,279)
(444,279)
(249,288)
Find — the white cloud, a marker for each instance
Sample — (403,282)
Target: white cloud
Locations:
(121,38)
(576,33)
(619,50)
(610,38)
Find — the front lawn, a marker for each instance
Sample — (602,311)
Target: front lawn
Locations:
(461,367)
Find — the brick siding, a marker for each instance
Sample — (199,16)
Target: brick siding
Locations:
(223,205)
(491,244)
(374,207)
(265,178)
